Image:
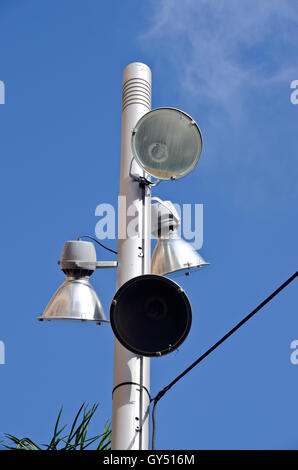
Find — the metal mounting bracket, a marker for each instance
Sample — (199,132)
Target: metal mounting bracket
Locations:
(88,264)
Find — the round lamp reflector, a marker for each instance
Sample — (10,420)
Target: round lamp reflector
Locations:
(167,143)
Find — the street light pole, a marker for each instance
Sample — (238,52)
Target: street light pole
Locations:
(131,387)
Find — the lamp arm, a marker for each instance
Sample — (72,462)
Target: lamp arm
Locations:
(89,265)
(142,179)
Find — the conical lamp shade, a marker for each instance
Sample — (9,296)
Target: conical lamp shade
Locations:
(174,254)
(75,300)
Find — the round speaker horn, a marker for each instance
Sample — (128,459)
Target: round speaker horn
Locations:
(150,315)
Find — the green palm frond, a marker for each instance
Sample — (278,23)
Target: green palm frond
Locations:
(76,439)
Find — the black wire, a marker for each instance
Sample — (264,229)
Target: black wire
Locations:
(210,350)
(103,246)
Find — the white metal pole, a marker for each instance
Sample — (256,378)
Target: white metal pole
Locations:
(131,387)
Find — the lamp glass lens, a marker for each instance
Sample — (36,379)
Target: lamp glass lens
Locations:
(167,143)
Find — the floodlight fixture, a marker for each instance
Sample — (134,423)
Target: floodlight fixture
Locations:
(76,299)
(167,143)
(171,254)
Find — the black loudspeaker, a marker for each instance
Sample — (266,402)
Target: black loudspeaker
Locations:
(150,315)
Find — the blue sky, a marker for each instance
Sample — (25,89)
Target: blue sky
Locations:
(229,65)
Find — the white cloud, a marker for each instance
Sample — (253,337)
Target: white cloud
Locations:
(220,47)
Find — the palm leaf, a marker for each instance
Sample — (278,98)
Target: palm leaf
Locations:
(76,439)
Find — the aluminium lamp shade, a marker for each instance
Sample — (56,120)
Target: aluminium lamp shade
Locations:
(167,143)
(76,299)
(172,254)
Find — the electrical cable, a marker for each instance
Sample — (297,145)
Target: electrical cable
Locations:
(101,244)
(210,350)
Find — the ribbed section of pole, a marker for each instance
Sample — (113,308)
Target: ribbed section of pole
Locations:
(130,416)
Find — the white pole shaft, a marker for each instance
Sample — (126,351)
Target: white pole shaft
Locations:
(130,414)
